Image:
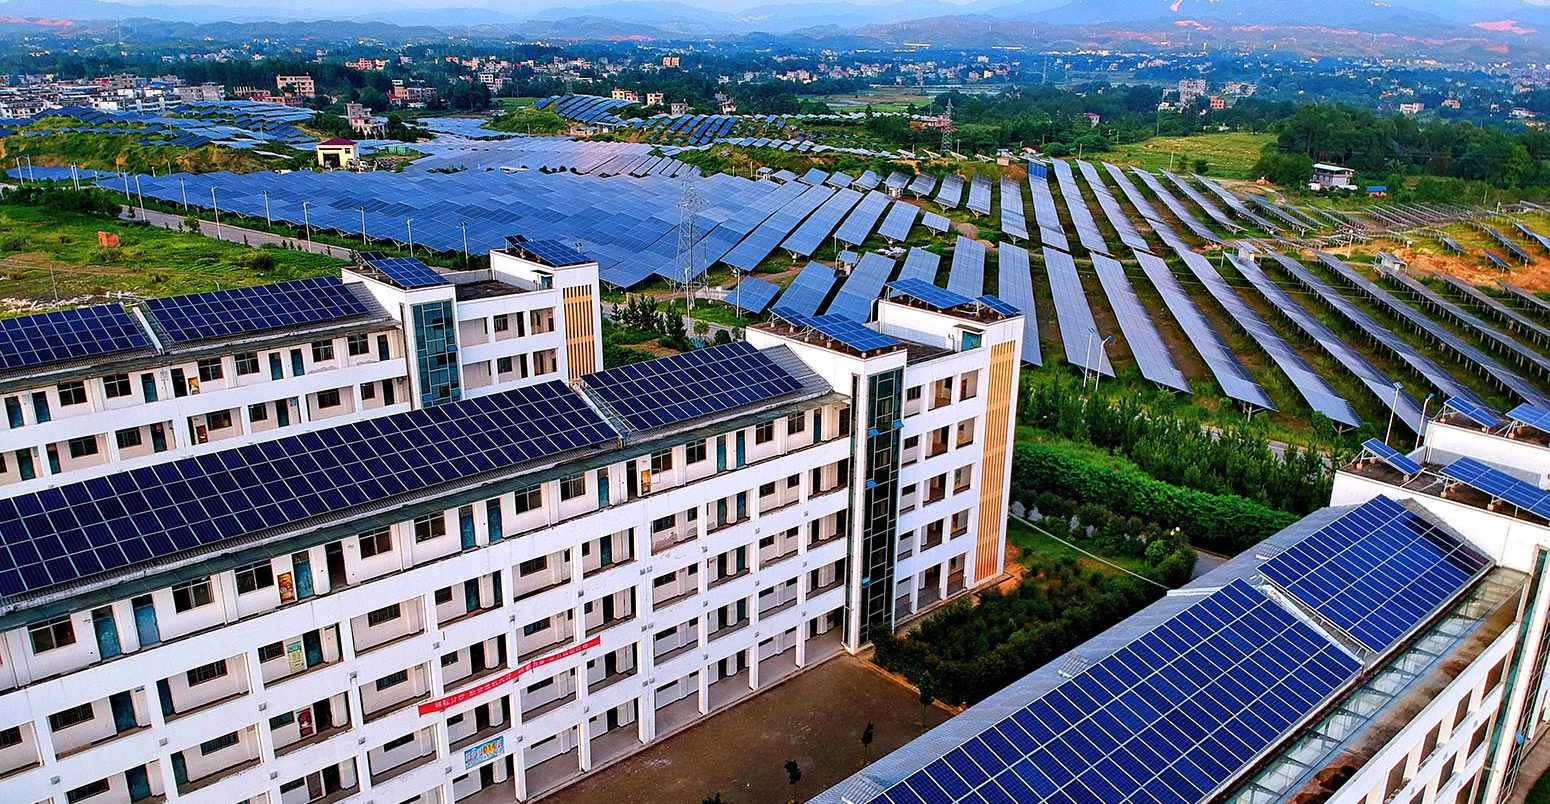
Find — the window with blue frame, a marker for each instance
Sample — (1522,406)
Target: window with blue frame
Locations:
(436,352)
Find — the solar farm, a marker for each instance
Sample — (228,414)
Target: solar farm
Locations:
(1171,281)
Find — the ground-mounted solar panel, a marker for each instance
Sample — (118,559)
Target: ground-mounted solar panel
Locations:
(863,219)
(807,292)
(1051,232)
(1014,285)
(1084,344)
(868,180)
(1495,260)
(1233,203)
(752,294)
(1132,192)
(1377,572)
(1534,302)
(1317,391)
(950,194)
(922,184)
(1230,373)
(669,390)
(863,287)
(80,333)
(979,195)
(1146,344)
(1175,206)
(1507,243)
(934,222)
(967,274)
(896,224)
(814,176)
(809,236)
(138,516)
(1519,322)
(1076,206)
(1168,719)
(920,264)
(277,305)
(897,180)
(1489,480)
(1382,386)
(1543,241)
(1111,209)
(1490,334)
(1205,205)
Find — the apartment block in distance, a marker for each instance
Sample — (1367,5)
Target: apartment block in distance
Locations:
(509,570)
(1389,648)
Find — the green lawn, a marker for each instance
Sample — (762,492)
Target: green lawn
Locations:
(1034,544)
(1231,155)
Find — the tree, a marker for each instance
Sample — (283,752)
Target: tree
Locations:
(713,798)
(1284,170)
(866,743)
(928,693)
(1202,166)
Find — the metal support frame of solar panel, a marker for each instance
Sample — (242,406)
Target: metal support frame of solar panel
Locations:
(809,236)
(1229,371)
(950,194)
(1496,483)
(752,294)
(1514,319)
(1076,207)
(1428,328)
(1170,718)
(1405,408)
(1377,573)
(1111,209)
(922,184)
(1014,284)
(1146,344)
(1176,207)
(861,288)
(1537,304)
(807,292)
(1543,241)
(1396,460)
(79,333)
(64,534)
(896,224)
(1506,243)
(1078,330)
(1501,340)
(967,275)
(862,219)
(669,390)
(979,195)
(1287,214)
(1235,204)
(1314,388)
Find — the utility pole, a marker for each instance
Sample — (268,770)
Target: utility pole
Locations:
(688,211)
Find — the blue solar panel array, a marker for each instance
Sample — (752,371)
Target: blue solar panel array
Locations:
(844,330)
(920,264)
(1537,418)
(1234,378)
(807,292)
(752,294)
(863,219)
(1014,282)
(1078,331)
(897,223)
(979,195)
(929,293)
(1168,719)
(1153,358)
(1473,411)
(407,272)
(1377,572)
(260,308)
(1501,485)
(967,275)
(1399,461)
(74,531)
(63,335)
(657,393)
(553,252)
(864,286)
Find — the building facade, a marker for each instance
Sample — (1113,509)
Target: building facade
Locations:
(502,581)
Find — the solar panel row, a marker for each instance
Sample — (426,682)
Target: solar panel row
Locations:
(967,275)
(62,335)
(1085,346)
(259,308)
(979,195)
(807,292)
(1014,282)
(920,264)
(1076,207)
(1234,204)
(1230,373)
(1111,209)
(864,286)
(863,219)
(1515,319)
(896,224)
(1491,334)
(810,235)
(670,390)
(1151,353)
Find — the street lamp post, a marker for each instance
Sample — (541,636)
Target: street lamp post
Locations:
(1103,349)
(140,195)
(306,224)
(1087,356)
(464,225)
(1392,408)
(363,224)
(409,224)
(1421,436)
(268,222)
(217,207)
(75,178)
(183,183)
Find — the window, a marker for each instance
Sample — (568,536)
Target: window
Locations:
(209,747)
(382,615)
(55,633)
(398,743)
(356,345)
(247,363)
(543,320)
(328,398)
(661,461)
(192,595)
(115,386)
(532,566)
(663,523)
(376,543)
(443,595)
(322,350)
(255,576)
(392,680)
(432,526)
(529,499)
(72,393)
(534,627)
(502,323)
(694,452)
(795,423)
(449,659)
(573,486)
(70,717)
(206,672)
(86,791)
(368,390)
(210,369)
(83,446)
(259,412)
(764,432)
(128,439)
(968,385)
(502,365)
(219,420)
(10,737)
(270,652)
(281,721)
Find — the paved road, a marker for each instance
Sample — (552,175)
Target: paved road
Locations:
(235,234)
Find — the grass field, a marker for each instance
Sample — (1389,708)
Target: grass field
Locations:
(1231,155)
(515,103)
(43,250)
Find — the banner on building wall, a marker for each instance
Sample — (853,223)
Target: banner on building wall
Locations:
(493,748)
(473,692)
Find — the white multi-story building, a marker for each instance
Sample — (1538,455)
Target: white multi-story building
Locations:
(502,590)
(1397,651)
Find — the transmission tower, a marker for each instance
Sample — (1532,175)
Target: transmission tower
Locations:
(688,214)
(947,128)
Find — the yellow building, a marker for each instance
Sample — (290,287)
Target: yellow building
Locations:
(337,153)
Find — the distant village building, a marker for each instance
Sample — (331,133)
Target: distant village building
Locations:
(200,93)
(299,85)
(671,61)
(1093,119)
(678,108)
(1411,108)
(1190,89)
(654,98)
(1218,103)
(1327,176)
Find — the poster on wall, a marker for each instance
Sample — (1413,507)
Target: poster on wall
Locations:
(287,588)
(296,656)
(304,723)
(493,748)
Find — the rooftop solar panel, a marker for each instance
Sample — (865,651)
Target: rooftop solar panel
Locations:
(407,272)
(1537,418)
(259,308)
(675,389)
(1499,484)
(1473,411)
(66,335)
(133,517)
(848,331)
(998,305)
(554,252)
(922,290)
(1377,572)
